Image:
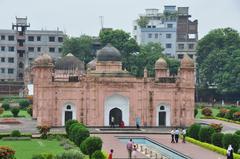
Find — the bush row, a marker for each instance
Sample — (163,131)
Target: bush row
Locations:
(213,136)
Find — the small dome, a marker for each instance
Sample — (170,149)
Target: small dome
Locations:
(161,63)
(43,59)
(69,62)
(108,53)
(187,62)
(92,64)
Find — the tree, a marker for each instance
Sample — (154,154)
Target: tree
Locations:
(143,21)
(80,47)
(218,57)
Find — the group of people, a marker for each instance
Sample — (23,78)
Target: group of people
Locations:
(121,124)
(175,135)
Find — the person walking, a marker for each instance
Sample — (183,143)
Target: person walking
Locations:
(184,132)
(176,135)
(172,135)
(112,122)
(110,154)
(134,152)
(130,148)
(230,152)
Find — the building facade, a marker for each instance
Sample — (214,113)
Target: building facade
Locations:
(172,29)
(94,95)
(20,46)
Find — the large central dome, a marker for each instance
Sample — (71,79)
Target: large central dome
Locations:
(69,62)
(108,53)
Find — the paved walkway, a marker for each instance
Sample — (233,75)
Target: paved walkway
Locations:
(191,150)
(227,126)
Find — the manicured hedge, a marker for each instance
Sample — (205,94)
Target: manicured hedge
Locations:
(231,139)
(216,139)
(205,134)
(211,147)
(193,130)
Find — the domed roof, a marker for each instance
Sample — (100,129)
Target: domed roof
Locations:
(161,63)
(108,53)
(187,62)
(69,62)
(43,60)
(92,64)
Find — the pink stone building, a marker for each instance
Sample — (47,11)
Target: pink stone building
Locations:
(65,90)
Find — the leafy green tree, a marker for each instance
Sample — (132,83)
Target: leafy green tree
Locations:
(143,21)
(218,57)
(81,47)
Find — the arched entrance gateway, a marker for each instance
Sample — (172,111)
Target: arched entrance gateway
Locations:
(68,113)
(163,115)
(116,106)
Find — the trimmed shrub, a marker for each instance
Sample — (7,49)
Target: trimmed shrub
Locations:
(15,111)
(216,139)
(195,112)
(193,130)
(207,112)
(237,132)
(24,103)
(43,130)
(1,110)
(231,139)
(229,114)
(98,155)
(90,145)
(236,116)
(6,153)
(70,154)
(43,156)
(68,125)
(29,110)
(79,134)
(15,133)
(71,133)
(222,112)
(205,134)
(6,106)
(216,127)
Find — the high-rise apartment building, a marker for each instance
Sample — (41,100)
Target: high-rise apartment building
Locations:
(20,46)
(171,28)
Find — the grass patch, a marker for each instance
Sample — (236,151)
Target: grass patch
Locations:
(22,113)
(215,111)
(25,149)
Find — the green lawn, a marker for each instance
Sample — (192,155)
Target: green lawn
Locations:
(25,149)
(199,115)
(22,113)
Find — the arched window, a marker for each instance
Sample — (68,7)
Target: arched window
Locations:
(162,108)
(68,107)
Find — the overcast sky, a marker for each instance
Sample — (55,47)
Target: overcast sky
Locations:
(78,17)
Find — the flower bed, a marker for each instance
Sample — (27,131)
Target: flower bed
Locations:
(9,121)
(6,152)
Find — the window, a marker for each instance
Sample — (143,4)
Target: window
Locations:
(169,25)
(20,65)
(192,36)
(2,70)
(10,71)
(180,56)
(68,107)
(20,54)
(168,36)
(30,59)
(30,49)
(180,46)
(39,49)
(11,48)
(60,39)
(30,38)
(149,35)
(149,26)
(153,26)
(156,36)
(135,27)
(51,39)
(191,46)
(162,108)
(190,55)
(168,45)
(38,38)
(59,49)
(2,37)
(51,49)
(2,59)
(2,48)
(10,38)
(10,60)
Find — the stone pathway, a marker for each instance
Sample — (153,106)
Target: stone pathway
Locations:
(191,150)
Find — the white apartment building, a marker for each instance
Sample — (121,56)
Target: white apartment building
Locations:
(161,28)
(19,47)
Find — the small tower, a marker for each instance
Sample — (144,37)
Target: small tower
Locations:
(161,68)
(187,71)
